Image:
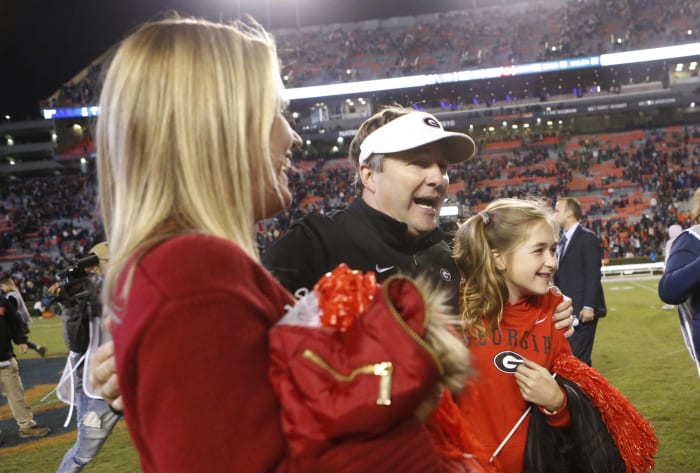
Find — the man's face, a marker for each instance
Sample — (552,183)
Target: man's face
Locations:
(411,187)
(561,213)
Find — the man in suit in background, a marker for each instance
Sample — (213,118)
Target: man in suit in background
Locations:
(579,256)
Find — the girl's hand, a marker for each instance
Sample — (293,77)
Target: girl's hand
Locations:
(538,386)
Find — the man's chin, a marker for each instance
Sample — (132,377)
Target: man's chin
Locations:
(419,232)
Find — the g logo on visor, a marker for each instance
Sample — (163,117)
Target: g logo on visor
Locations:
(430,121)
(508,361)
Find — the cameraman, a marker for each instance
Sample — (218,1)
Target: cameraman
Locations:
(82,325)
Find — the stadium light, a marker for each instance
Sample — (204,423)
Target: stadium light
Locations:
(647,55)
(423,80)
(449,211)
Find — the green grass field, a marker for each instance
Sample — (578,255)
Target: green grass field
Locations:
(638,348)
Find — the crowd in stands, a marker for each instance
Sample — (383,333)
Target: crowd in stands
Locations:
(633,185)
(630,184)
(486,36)
(47,224)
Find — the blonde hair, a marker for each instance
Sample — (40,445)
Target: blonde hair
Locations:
(379,119)
(501,226)
(8,285)
(186,111)
(695,212)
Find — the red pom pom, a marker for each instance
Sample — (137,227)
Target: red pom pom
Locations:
(632,433)
(456,442)
(343,295)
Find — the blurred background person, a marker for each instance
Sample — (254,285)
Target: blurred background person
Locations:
(673,232)
(13,295)
(579,258)
(12,330)
(680,283)
(82,321)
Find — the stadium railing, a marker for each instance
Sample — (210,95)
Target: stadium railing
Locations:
(623,270)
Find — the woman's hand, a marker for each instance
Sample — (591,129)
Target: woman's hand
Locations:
(538,386)
(103,375)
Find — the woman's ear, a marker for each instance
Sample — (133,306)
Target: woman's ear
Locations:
(500,259)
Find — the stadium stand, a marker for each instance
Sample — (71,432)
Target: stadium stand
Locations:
(633,167)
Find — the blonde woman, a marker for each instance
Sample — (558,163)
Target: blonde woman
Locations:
(192,150)
(13,295)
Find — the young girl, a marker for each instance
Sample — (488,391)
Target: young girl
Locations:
(506,254)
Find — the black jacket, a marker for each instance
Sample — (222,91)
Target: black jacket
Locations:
(585,447)
(578,273)
(12,328)
(364,239)
(76,315)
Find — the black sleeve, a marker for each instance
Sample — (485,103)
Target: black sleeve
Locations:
(15,323)
(76,328)
(12,302)
(585,446)
(298,259)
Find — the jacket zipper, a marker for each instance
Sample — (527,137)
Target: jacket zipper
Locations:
(382,369)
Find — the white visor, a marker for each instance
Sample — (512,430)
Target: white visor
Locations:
(411,131)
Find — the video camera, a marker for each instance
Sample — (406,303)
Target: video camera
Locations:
(74,280)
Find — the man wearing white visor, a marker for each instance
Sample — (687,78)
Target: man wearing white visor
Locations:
(401,157)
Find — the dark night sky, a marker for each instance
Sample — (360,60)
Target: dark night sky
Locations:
(44,43)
